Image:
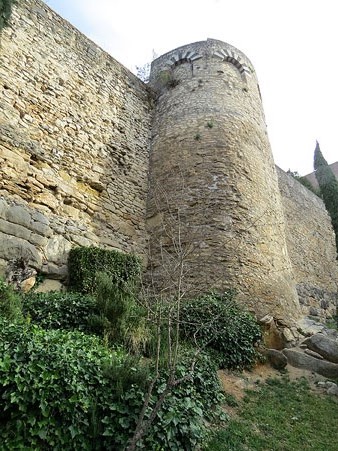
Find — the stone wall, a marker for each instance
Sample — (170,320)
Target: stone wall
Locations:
(75,133)
(311,247)
(74,139)
(214,198)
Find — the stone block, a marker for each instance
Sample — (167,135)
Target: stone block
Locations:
(18,215)
(15,248)
(57,250)
(14,229)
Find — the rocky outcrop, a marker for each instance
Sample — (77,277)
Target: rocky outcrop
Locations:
(297,358)
(324,346)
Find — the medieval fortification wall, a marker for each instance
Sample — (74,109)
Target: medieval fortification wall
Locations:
(74,147)
(76,128)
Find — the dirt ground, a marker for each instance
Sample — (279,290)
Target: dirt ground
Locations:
(236,383)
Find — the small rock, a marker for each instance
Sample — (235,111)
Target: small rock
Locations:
(313,311)
(333,390)
(27,284)
(267,319)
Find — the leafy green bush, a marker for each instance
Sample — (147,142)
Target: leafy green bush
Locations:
(217,322)
(181,423)
(10,302)
(65,390)
(85,262)
(61,310)
(58,390)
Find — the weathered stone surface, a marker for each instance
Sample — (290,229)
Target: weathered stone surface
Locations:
(312,353)
(309,327)
(324,346)
(213,178)
(57,250)
(311,246)
(74,136)
(301,360)
(14,248)
(18,215)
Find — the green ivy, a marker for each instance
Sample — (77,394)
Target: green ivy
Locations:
(66,390)
(218,323)
(85,262)
(49,382)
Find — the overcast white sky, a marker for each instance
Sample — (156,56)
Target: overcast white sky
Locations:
(293,45)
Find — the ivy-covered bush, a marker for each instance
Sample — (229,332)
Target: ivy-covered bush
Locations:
(85,262)
(181,424)
(217,322)
(66,390)
(58,390)
(61,310)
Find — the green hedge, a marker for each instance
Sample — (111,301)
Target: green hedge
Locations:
(85,262)
(61,310)
(217,322)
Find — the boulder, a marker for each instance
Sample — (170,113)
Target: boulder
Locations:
(323,345)
(300,360)
(276,358)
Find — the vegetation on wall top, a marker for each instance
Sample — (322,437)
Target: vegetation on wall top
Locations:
(6,12)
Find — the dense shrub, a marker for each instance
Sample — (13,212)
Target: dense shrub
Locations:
(182,421)
(217,322)
(10,302)
(120,315)
(85,262)
(57,390)
(65,390)
(61,310)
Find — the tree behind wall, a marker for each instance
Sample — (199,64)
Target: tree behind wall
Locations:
(328,185)
(5,12)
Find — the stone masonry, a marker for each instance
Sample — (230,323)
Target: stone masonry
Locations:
(90,155)
(74,127)
(211,153)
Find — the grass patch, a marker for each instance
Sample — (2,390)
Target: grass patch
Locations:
(281,416)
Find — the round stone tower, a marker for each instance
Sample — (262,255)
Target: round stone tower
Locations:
(214,212)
